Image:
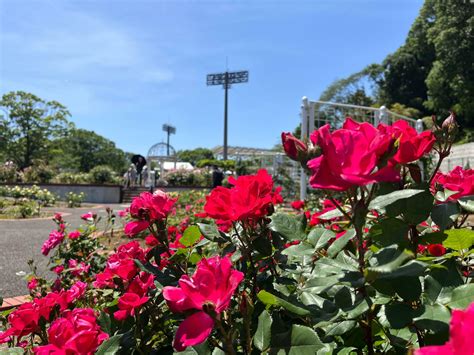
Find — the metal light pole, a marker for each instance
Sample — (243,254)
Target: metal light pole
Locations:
(169,130)
(226,80)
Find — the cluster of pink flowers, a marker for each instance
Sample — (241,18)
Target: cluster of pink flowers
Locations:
(208,292)
(121,264)
(249,200)
(148,208)
(359,153)
(25,320)
(76,332)
(55,238)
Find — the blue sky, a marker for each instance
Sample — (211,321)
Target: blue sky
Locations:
(125,67)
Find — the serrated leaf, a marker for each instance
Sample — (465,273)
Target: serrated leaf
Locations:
(462,297)
(331,214)
(110,346)
(467,203)
(209,231)
(190,236)
(459,239)
(380,202)
(269,299)
(262,336)
(301,249)
(304,341)
(319,237)
(445,214)
(340,243)
(289,226)
(435,317)
(340,328)
(390,231)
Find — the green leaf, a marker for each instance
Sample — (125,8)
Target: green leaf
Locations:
(380,202)
(209,231)
(271,300)
(340,243)
(301,249)
(408,288)
(467,203)
(435,317)
(462,296)
(331,214)
(289,226)
(398,315)
(304,341)
(459,239)
(262,336)
(390,231)
(340,328)
(110,346)
(190,236)
(445,214)
(319,237)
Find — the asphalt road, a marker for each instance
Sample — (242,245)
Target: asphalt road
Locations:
(21,240)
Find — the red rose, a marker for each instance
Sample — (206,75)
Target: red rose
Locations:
(436,249)
(297,205)
(459,180)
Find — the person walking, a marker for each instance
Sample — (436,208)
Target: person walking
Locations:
(217,176)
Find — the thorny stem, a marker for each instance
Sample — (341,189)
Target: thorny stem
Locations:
(330,198)
(248,253)
(227,338)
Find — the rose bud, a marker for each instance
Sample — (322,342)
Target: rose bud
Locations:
(293,146)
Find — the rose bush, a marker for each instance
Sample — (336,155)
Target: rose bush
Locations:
(385,268)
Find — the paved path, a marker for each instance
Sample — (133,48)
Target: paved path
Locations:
(21,240)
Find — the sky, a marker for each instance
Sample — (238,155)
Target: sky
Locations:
(124,68)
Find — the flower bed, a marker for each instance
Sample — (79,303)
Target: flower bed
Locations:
(384,268)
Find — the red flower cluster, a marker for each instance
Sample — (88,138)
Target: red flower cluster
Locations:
(77,332)
(26,318)
(208,291)
(411,145)
(351,156)
(297,205)
(461,330)
(55,238)
(458,179)
(148,208)
(121,265)
(250,199)
(359,154)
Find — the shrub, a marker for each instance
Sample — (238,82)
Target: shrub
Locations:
(102,174)
(8,172)
(181,177)
(38,173)
(71,178)
(74,200)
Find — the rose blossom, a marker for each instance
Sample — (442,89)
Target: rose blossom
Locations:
(209,290)
(458,180)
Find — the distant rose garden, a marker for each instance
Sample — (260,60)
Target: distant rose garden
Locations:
(382,263)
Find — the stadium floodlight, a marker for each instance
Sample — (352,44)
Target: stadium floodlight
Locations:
(226,80)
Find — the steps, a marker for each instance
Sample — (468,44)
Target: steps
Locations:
(131,192)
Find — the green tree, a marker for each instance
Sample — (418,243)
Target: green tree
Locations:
(28,125)
(82,150)
(405,71)
(450,82)
(194,155)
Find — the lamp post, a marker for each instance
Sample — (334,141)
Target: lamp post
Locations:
(226,80)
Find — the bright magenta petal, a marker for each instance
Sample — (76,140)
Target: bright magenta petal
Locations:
(193,331)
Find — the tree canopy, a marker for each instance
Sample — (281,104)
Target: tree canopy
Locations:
(195,155)
(432,72)
(28,126)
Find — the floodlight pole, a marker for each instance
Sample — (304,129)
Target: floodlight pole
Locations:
(226,86)
(169,130)
(227,79)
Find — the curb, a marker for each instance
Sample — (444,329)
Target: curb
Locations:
(13,302)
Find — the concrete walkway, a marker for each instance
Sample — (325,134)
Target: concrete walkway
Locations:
(21,240)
